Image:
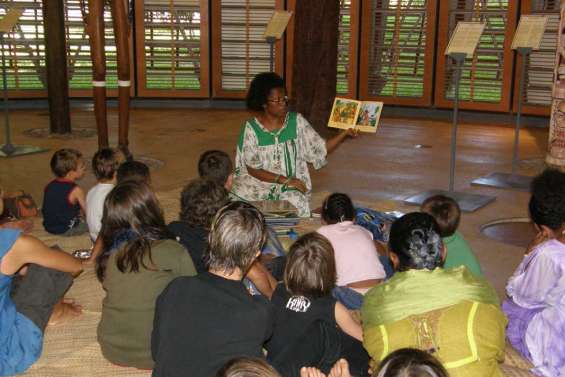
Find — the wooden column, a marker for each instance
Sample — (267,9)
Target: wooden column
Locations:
(314,75)
(56,66)
(555,156)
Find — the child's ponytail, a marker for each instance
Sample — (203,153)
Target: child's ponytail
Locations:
(337,208)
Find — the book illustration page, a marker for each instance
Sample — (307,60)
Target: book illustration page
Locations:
(368,118)
(344,113)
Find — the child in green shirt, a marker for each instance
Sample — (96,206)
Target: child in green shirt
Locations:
(447,213)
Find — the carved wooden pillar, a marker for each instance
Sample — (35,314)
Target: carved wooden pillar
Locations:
(56,64)
(314,76)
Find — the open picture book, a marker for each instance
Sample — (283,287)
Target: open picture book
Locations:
(349,113)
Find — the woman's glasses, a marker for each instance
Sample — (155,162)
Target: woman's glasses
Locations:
(279,100)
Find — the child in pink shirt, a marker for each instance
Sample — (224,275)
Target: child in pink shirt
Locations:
(356,257)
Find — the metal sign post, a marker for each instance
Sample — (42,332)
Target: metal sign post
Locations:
(514,180)
(528,37)
(274,30)
(459,59)
(8,149)
(271,41)
(467,202)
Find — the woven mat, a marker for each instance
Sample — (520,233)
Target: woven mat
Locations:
(71,349)
(514,364)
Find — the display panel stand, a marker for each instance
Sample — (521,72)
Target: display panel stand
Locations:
(513,180)
(8,149)
(528,37)
(463,41)
(274,31)
(271,41)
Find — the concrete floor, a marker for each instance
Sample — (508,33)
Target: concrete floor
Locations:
(371,168)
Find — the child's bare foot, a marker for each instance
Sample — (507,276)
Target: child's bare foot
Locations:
(64,311)
(311,372)
(340,369)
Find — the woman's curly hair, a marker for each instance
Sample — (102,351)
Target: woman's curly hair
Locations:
(547,204)
(260,88)
(200,201)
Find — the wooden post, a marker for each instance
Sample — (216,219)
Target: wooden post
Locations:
(56,64)
(314,75)
(555,156)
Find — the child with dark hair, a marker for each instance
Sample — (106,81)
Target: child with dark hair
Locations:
(204,321)
(450,313)
(133,170)
(411,362)
(104,164)
(447,213)
(138,260)
(356,257)
(536,291)
(64,201)
(311,327)
(200,200)
(217,166)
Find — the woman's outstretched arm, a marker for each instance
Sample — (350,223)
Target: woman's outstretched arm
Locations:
(334,142)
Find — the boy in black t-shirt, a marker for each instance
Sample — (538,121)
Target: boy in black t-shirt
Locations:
(202,322)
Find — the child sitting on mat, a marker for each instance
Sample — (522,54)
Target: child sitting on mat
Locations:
(200,201)
(133,170)
(447,214)
(311,328)
(104,164)
(138,260)
(202,322)
(217,166)
(64,201)
(356,257)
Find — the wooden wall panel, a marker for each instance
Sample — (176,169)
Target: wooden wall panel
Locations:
(24,52)
(172,48)
(397,51)
(239,50)
(487,76)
